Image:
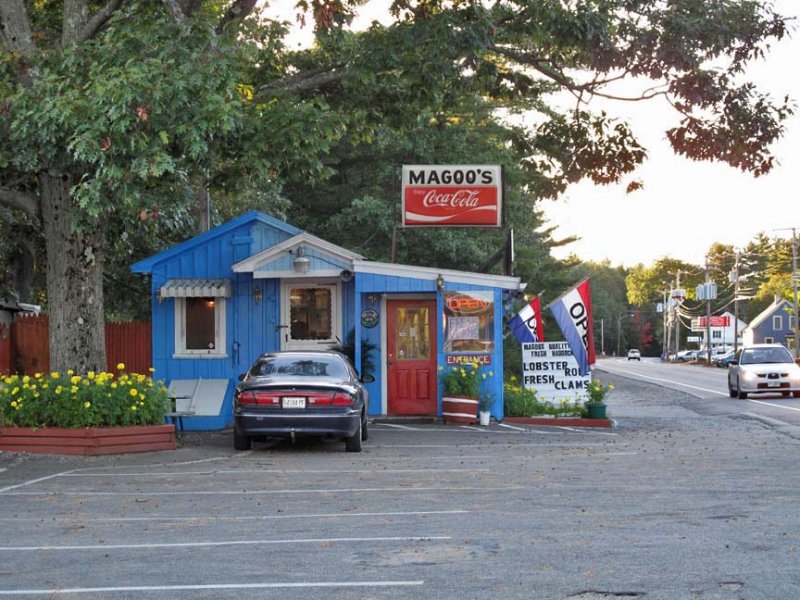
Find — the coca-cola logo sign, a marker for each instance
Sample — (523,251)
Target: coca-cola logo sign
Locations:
(452,195)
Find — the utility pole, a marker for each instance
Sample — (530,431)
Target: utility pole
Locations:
(602,337)
(677,315)
(736,303)
(794,291)
(708,314)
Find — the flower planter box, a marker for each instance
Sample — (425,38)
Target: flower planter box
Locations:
(463,411)
(90,441)
(558,421)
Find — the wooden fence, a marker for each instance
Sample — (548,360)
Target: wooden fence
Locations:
(25,347)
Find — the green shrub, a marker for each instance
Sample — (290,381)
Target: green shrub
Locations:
(73,401)
(521,402)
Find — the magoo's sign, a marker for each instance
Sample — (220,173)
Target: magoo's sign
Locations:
(452,195)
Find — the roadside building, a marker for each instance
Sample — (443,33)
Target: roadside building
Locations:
(775,324)
(257,284)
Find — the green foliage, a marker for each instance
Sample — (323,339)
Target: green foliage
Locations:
(465,380)
(72,401)
(348,348)
(598,391)
(522,402)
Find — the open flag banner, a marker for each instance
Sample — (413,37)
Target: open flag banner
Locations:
(527,324)
(573,313)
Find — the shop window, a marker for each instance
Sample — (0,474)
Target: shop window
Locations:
(469,322)
(311,316)
(200,327)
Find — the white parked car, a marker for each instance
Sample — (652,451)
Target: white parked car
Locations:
(634,354)
(763,369)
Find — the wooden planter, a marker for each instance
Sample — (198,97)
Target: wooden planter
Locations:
(558,421)
(460,410)
(90,441)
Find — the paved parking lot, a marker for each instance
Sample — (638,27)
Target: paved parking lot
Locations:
(661,507)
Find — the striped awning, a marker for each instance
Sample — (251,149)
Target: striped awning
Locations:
(196,288)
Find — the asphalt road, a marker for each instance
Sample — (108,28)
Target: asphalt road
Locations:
(669,504)
(709,386)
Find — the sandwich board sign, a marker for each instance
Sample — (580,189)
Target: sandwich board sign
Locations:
(552,371)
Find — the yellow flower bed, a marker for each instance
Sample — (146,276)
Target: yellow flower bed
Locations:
(91,400)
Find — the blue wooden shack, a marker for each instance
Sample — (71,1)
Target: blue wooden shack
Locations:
(257,284)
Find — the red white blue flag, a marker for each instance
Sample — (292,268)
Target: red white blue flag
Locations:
(527,324)
(573,313)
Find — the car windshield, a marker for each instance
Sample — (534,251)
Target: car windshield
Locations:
(299,366)
(758,356)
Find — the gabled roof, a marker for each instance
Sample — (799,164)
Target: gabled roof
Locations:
(303,238)
(768,312)
(146,265)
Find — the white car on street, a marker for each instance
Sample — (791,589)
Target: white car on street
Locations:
(763,369)
(634,354)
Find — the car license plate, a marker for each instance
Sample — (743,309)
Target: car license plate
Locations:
(773,384)
(293,402)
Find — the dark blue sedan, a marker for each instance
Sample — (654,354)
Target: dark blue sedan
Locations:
(300,394)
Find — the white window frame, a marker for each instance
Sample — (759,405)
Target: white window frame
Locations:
(336,317)
(777,322)
(220,333)
(769,340)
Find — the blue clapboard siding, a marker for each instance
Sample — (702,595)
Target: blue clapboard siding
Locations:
(250,327)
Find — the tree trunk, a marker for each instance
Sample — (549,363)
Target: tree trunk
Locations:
(74,281)
(202,206)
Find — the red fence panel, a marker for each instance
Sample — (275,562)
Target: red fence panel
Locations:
(28,346)
(6,357)
(31,344)
(131,344)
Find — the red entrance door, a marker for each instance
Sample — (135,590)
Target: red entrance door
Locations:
(411,337)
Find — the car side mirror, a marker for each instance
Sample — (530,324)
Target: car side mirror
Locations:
(734,362)
(367,378)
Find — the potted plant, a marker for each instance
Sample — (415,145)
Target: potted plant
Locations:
(460,389)
(595,405)
(484,407)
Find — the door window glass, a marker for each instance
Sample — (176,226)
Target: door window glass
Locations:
(310,314)
(411,338)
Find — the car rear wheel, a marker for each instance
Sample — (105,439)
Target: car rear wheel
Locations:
(364,431)
(353,443)
(241,442)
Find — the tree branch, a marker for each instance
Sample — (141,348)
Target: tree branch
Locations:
(97,21)
(591,88)
(23,201)
(16,27)
(175,9)
(303,82)
(238,11)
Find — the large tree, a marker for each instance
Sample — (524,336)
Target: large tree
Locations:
(111,108)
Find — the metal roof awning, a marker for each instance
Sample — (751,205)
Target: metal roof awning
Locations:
(196,288)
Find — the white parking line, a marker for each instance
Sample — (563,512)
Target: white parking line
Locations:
(514,428)
(208,518)
(396,426)
(212,586)
(265,492)
(410,538)
(775,405)
(32,481)
(267,472)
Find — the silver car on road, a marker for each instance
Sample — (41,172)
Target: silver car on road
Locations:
(763,369)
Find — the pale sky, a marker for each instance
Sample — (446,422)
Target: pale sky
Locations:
(685,206)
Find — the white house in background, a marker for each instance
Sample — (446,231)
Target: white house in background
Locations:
(724,329)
